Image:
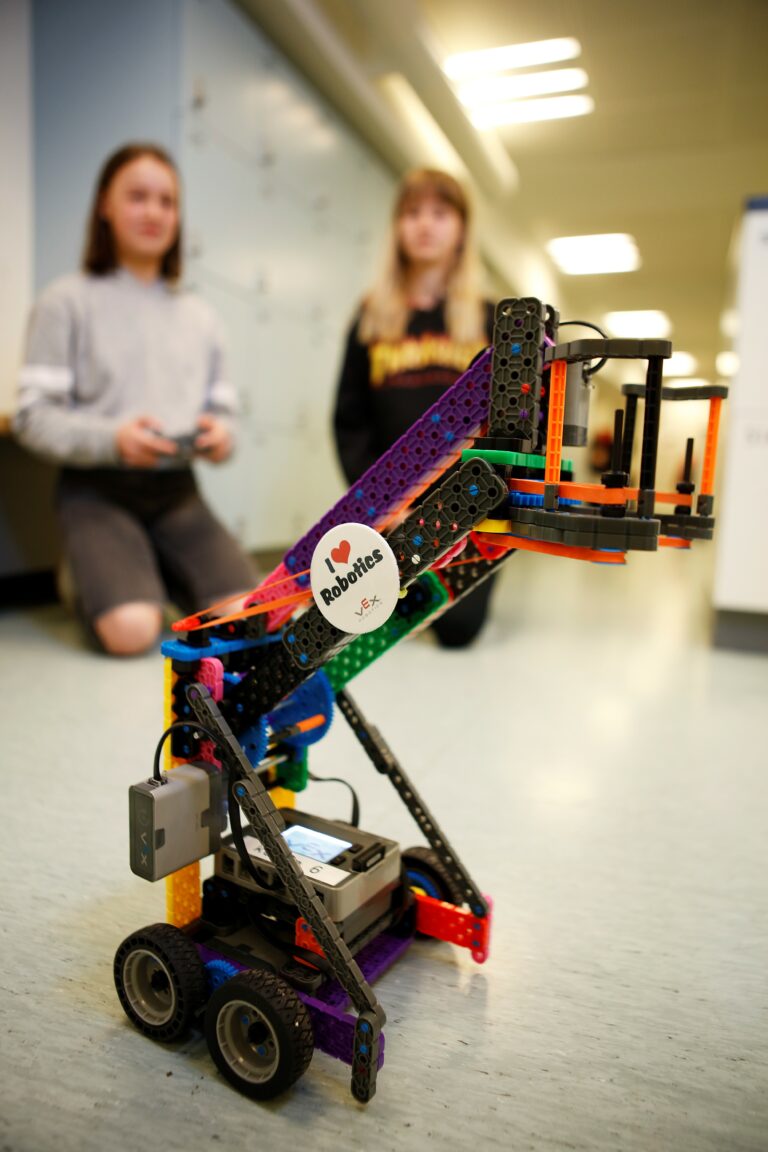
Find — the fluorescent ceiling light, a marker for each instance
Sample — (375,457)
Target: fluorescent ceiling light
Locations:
(590,255)
(727,363)
(689,382)
(435,145)
(464,65)
(680,364)
(526,111)
(642,324)
(492,89)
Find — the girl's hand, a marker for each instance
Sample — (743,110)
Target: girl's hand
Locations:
(141,444)
(215,439)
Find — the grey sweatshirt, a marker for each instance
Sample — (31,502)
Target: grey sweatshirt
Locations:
(103,349)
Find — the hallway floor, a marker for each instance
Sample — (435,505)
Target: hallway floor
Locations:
(603,773)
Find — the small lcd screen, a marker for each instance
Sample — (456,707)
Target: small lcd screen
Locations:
(317,845)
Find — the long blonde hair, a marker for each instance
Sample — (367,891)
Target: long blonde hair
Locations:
(385,310)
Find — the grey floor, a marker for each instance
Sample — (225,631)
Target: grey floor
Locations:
(604,774)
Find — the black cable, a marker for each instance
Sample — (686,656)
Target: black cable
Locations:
(355,818)
(595,328)
(583,324)
(180,724)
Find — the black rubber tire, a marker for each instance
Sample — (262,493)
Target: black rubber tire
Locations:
(160,980)
(259,1034)
(426,873)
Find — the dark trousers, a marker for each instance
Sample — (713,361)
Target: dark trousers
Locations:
(464,620)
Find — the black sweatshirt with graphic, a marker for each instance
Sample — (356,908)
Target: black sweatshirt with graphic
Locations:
(387,385)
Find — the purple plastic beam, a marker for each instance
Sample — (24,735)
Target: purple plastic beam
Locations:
(334,1027)
(373,961)
(423,452)
(441,433)
(335,1030)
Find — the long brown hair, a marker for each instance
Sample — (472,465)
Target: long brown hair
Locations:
(100,252)
(385,310)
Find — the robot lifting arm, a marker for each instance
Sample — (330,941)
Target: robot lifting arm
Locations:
(480,474)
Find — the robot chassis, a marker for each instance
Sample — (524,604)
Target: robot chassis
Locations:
(269,958)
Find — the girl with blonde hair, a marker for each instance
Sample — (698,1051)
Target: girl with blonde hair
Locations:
(416,332)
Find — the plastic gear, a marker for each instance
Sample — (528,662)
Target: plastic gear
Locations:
(218,972)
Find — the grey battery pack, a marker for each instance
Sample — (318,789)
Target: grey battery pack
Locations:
(176,820)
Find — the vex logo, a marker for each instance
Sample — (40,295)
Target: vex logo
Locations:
(354,577)
(366,605)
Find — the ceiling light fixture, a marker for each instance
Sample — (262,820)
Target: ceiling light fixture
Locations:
(591,255)
(727,363)
(464,65)
(435,145)
(492,89)
(641,324)
(528,111)
(680,364)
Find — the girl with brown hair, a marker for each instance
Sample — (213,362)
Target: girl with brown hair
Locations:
(124,384)
(416,332)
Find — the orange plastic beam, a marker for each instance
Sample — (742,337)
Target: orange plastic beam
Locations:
(673,542)
(684,500)
(710,447)
(555,421)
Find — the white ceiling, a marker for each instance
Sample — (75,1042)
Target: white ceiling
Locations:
(678,139)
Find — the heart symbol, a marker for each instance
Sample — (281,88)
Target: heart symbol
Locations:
(341,553)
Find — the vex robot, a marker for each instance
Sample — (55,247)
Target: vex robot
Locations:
(276,953)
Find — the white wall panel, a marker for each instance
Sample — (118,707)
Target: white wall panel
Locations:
(741,575)
(103,74)
(286,212)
